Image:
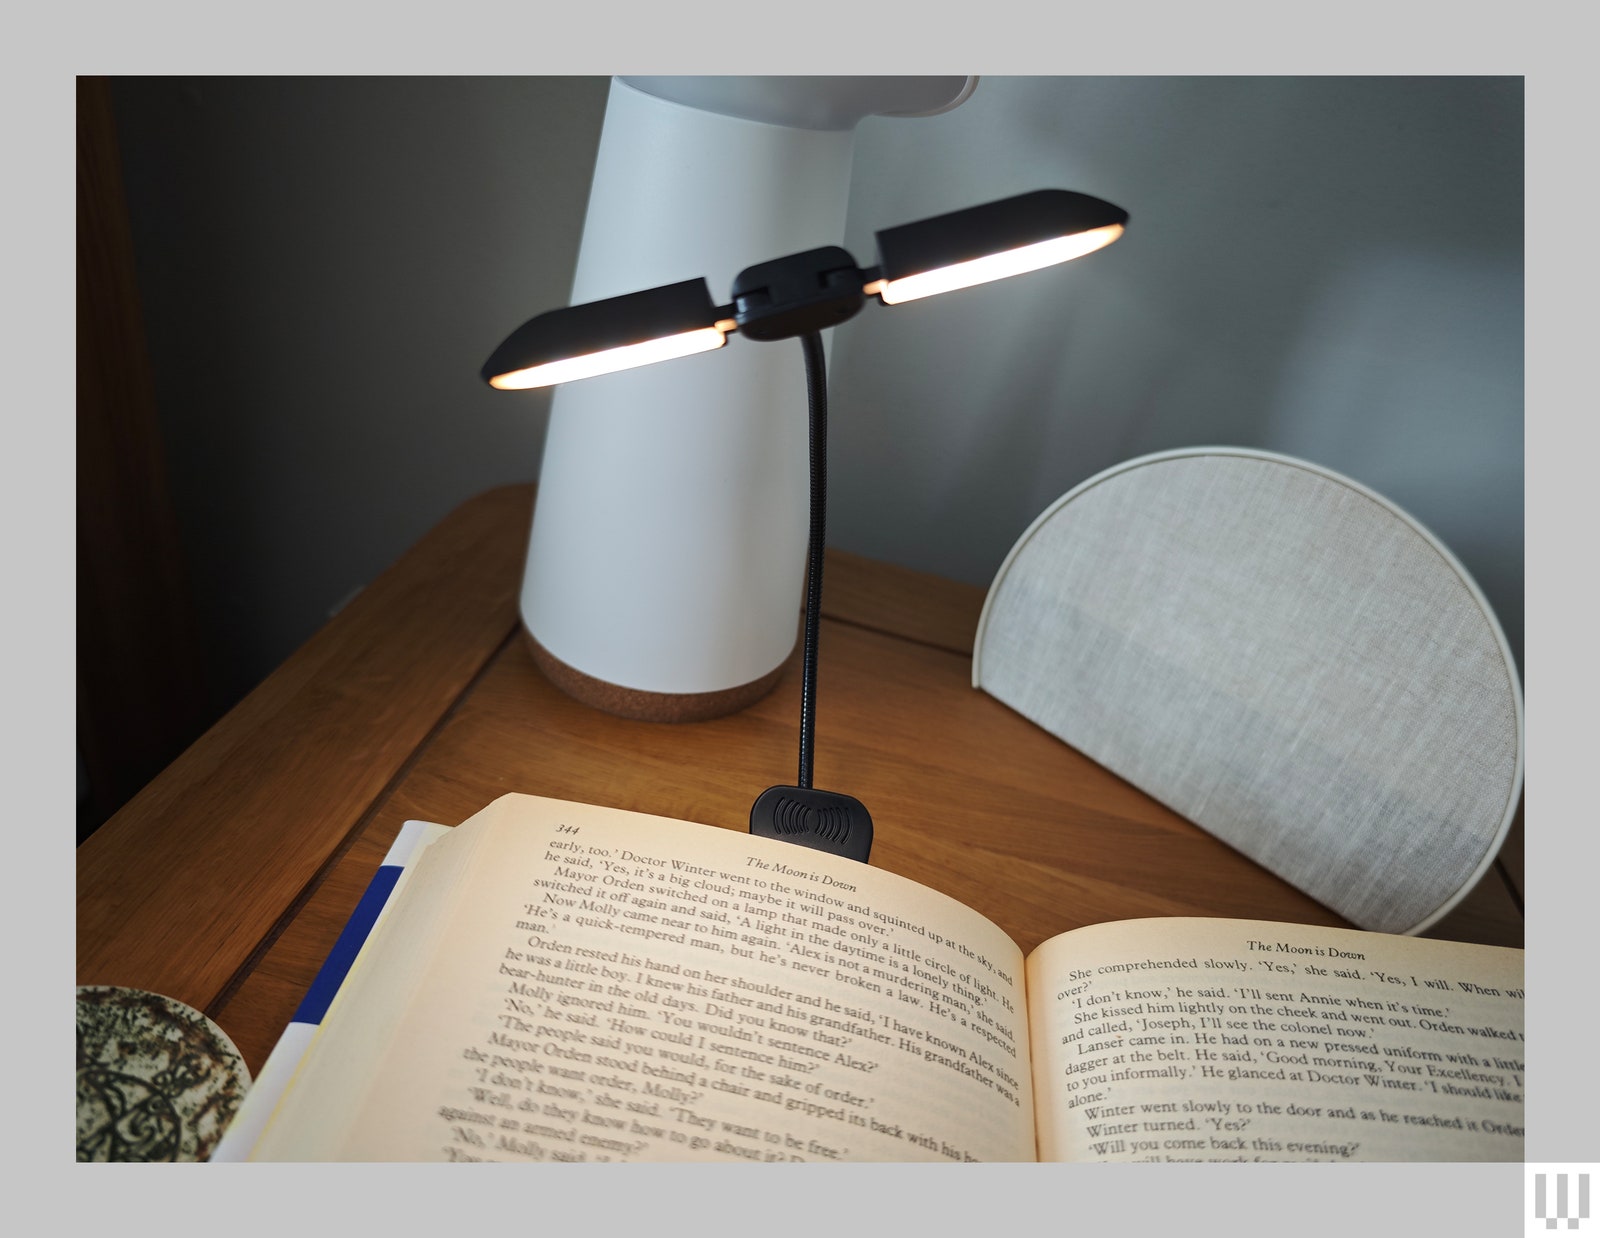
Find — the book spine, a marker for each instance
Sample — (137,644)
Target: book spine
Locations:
(258,1104)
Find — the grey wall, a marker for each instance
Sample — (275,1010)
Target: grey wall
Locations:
(1325,267)
(1328,267)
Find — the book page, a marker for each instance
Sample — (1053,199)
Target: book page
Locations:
(609,986)
(1243,1040)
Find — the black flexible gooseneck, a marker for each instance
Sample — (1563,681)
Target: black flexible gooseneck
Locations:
(817,396)
(823,820)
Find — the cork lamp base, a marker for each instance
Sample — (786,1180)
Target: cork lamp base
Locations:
(646,706)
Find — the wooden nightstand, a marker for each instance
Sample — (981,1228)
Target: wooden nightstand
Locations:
(225,882)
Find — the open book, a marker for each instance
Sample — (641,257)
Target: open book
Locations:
(563,982)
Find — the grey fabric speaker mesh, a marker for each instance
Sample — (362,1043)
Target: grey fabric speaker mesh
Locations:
(1281,658)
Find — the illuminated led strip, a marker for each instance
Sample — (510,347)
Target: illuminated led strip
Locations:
(994,266)
(588,365)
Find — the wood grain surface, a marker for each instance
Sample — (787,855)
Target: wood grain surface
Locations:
(227,882)
(180,888)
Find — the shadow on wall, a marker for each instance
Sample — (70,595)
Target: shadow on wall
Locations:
(324,264)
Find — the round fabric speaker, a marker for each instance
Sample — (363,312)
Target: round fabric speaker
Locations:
(1282,657)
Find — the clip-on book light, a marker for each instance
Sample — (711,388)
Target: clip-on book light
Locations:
(798,296)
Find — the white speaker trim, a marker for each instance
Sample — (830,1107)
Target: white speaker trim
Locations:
(1514,797)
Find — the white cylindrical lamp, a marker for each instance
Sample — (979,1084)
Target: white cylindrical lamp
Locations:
(666,561)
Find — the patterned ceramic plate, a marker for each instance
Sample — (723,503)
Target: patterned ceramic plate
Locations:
(157,1080)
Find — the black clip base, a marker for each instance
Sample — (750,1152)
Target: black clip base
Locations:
(821,820)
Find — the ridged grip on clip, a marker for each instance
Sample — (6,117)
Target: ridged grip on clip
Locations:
(822,820)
